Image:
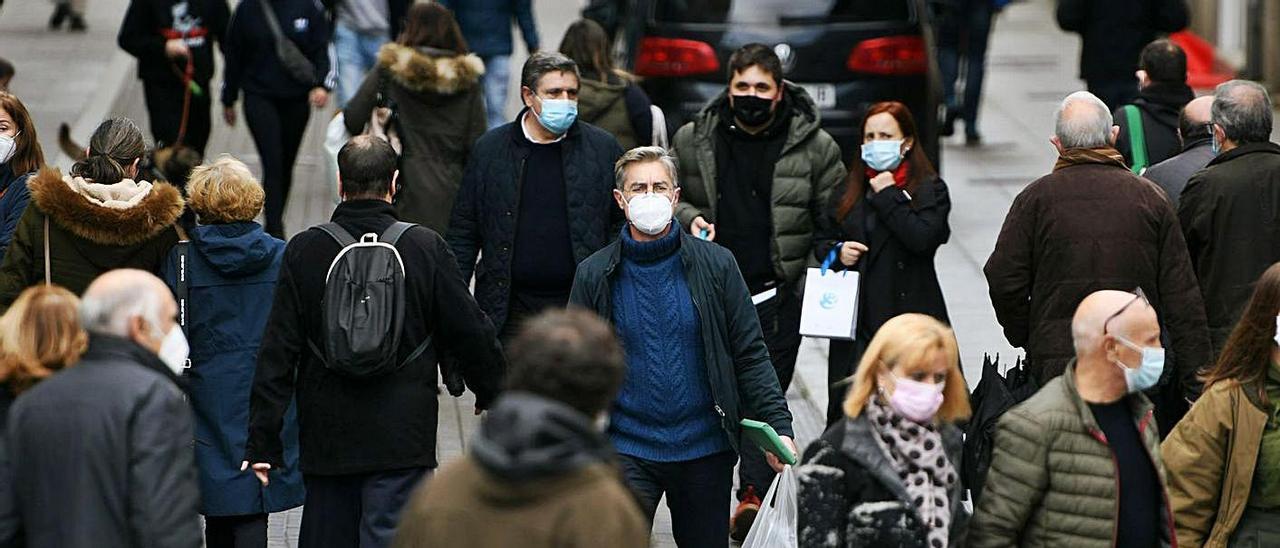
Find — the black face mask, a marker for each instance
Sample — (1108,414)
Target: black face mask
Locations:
(751,110)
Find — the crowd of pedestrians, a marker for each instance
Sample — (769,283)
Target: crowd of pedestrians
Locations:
(633,305)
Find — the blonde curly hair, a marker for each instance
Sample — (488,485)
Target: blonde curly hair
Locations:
(224,191)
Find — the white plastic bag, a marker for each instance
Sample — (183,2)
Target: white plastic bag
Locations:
(335,136)
(776,524)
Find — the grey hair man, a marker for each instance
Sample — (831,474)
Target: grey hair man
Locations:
(535,199)
(1092,224)
(1083,449)
(684,314)
(1196,136)
(1230,211)
(116,424)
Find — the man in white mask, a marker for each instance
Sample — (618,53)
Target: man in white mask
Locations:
(108,440)
(1078,463)
(696,356)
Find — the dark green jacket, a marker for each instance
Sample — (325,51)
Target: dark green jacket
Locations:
(1053,477)
(808,170)
(87,238)
(734,350)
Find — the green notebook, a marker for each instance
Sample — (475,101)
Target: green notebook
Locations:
(766,438)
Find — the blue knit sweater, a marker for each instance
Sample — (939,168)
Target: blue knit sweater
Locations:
(665,411)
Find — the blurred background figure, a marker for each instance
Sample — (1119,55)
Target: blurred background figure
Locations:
(540,457)
(360,28)
(6,73)
(1112,35)
(964,27)
(1229,443)
(433,81)
(225,278)
(487,26)
(70,12)
(276,92)
(609,98)
(895,456)
(20,158)
(1162,93)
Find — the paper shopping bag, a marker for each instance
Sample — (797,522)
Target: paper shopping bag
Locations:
(830,308)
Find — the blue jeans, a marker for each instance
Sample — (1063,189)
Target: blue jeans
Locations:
(357,53)
(497,70)
(964,29)
(697,495)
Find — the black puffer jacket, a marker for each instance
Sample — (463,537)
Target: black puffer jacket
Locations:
(484,216)
(1159,106)
(850,494)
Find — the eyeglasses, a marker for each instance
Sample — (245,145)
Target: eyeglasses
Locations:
(1138,295)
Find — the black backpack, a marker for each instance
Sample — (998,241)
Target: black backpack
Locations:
(363,306)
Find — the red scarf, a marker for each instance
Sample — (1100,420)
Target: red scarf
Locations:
(899,175)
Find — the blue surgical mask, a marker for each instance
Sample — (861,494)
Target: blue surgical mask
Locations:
(882,155)
(1147,374)
(558,114)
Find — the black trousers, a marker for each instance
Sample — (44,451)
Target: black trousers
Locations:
(248,531)
(277,126)
(697,495)
(356,510)
(780,323)
(164,107)
(842,362)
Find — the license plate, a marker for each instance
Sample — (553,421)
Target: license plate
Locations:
(824,95)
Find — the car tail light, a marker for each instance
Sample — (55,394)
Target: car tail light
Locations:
(675,57)
(891,55)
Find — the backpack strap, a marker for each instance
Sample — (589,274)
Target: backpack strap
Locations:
(394,232)
(339,234)
(1137,138)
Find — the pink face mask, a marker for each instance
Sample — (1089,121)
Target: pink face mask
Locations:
(915,400)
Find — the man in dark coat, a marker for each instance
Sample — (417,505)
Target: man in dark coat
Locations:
(373,438)
(1112,35)
(1092,225)
(1197,150)
(1230,212)
(167,37)
(1162,92)
(100,454)
(535,200)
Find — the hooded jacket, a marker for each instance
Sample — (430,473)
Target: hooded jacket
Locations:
(1230,215)
(1160,105)
(617,106)
(539,475)
(116,425)
(13,201)
(440,113)
(231,277)
(92,229)
(808,170)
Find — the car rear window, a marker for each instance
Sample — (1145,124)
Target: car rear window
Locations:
(781,12)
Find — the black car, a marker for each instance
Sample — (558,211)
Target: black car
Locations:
(847,54)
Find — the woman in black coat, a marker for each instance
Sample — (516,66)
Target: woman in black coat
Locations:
(888,221)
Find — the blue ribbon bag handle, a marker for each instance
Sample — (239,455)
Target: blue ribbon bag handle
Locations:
(831,258)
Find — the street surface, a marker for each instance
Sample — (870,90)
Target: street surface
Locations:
(81,78)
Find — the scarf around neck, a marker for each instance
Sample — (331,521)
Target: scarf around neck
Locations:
(899,175)
(921,463)
(1081,156)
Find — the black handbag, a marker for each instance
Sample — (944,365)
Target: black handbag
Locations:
(295,63)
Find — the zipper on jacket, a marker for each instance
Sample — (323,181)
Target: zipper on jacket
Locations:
(1164,491)
(715,399)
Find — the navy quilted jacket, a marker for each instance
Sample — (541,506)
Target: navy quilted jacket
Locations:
(484,216)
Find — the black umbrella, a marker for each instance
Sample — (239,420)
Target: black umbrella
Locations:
(995,394)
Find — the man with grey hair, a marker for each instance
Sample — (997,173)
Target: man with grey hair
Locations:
(108,442)
(534,199)
(1092,225)
(1230,211)
(696,356)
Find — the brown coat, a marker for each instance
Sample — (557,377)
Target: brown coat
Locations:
(1210,458)
(464,506)
(1088,226)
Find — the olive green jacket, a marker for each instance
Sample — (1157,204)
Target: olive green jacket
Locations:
(808,170)
(1053,479)
(1212,453)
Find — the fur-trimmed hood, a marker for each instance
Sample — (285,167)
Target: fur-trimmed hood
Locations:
(428,69)
(126,213)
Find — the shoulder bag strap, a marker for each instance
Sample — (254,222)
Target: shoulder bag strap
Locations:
(1137,138)
(339,234)
(268,11)
(48,274)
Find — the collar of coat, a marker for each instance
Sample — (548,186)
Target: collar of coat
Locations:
(1138,402)
(1082,156)
(805,119)
(1245,149)
(430,69)
(125,213)
(113,349)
